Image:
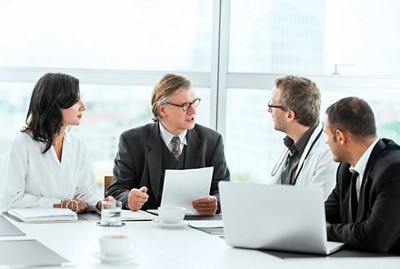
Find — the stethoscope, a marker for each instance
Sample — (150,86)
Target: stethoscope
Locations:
(285,154)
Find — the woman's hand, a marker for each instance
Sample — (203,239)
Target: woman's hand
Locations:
(76,205)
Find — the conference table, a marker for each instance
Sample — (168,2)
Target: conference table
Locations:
(173,247)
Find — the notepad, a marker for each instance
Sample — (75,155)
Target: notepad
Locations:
(43,214)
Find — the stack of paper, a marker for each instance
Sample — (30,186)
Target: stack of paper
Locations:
(43,214)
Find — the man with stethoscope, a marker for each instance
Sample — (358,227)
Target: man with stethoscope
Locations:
(306,160)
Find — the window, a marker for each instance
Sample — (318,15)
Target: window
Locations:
(315,37)
(119,35)
(335,43)
(120,49)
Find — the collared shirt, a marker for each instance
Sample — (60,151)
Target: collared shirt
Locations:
(167,137)
(361,165)
(296,150)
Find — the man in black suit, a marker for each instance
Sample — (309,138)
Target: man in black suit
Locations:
(363,210)
(173,141)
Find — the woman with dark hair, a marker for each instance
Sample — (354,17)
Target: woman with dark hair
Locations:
(45,165)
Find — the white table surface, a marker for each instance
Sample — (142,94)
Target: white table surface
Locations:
(159,247)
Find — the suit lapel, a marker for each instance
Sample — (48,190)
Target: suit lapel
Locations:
(193,152)
(154,158)
(367,181)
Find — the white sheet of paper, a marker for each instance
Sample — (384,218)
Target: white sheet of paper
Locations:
(181,187)
(206,223)
(138,215)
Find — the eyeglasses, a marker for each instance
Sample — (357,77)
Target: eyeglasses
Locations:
(187,105)
(270,105)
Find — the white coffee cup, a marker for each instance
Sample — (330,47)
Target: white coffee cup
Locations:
(116,245)
(171,214)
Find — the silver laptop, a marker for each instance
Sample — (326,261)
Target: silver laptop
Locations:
(275,217)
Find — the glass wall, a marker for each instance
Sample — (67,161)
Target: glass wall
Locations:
(336,43)
(102,34)
(315,37)
(119,49)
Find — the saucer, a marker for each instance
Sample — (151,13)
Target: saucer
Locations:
(99,224)
(110,259)
(181,224)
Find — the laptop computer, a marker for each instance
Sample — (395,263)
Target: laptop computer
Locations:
(275,217)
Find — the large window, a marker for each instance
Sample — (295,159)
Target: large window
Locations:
(314,37)
(118,50)
(348,47)
(232,51)
(118,35)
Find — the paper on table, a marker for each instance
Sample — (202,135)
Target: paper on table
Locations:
(206,223)
(181,187)
(43,214)
(187,213)
(214,227)
(137,215)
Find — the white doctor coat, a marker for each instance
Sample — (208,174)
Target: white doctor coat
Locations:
(316,166)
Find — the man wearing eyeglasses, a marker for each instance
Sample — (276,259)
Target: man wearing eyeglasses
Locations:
(173,141)
(306,159)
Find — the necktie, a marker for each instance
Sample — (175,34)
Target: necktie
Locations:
(176,147)
(353,196)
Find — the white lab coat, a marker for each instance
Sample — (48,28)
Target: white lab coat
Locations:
(318,168)
(29,178)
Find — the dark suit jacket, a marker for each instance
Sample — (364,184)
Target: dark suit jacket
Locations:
(377,226)
(139,157)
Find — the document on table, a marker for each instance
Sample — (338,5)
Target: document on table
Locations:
(206,223)
(182,187)
(214,227)
(127,215)
(43,214)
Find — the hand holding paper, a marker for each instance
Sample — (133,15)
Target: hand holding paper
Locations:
(182,187)
(206,206)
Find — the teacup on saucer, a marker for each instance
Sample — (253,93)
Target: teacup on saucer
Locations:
(180,224)
(116,246)
(114,259)
(171,214)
